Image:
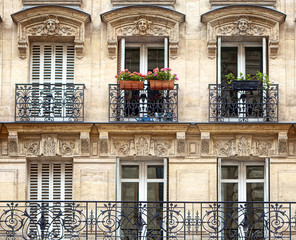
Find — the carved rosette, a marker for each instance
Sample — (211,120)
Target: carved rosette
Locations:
(67,147)
(143,21)
(48,22)
(32,147)
(243,20)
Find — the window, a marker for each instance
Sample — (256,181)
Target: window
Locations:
(247,183)
(147,104)
(52,78)
(241,58)
(142,181)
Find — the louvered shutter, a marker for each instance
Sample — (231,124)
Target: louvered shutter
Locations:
(51,181)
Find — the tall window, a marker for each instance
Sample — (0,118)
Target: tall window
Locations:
(247,183)
(142,181)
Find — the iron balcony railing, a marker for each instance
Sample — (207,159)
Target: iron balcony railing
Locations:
(49,102)
(228,105)
(143,105)
(147,220)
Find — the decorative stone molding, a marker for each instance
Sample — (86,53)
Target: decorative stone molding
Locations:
(68,146)
(243,21)
(205,143)
(56,2)
(119,3)
(49,145)
(54,23)
(282,144)
(32,147)
(224,147)
(181,143)
(4,148)
(139,21)
(104,147)
(85,143)
(13,143)
(243,145)
(235,2)
(142,146)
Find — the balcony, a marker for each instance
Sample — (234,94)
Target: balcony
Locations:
(49,102)
(228,105)
(143,105)
(147,220)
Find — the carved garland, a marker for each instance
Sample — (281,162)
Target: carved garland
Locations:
(143,21)
(53,21)
(243,21)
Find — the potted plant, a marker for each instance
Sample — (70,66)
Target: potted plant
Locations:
(130,80)
(162,79)
(247,82)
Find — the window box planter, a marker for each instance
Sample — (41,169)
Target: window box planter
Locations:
(162,84)
(131,85)
(244,85)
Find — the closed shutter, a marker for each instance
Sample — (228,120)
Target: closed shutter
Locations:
(51,181)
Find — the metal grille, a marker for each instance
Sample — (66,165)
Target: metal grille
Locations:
(147,220)
(143,105)
(228,105)
(49,102)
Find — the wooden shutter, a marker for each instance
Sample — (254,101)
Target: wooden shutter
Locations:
(52,63)
(51,181)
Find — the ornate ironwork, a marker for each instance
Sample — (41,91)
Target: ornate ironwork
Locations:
(56,220)
(143,105)
(228,105)
(49,102)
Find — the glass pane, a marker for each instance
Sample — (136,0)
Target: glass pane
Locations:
(229,172)
(253,60)
(255,172)
(155,192)
(228,62)
(155,172)
(155,58)
(130,191)
(229,192)
(132,59)
(255,191)
(130,171)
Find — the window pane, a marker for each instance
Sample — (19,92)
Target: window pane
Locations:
(155,58)
(228,62)
(255,172)
(130,191)
(132,59)
(229,172)
(155,172)
(253,60)
(130,171)
(229,192)
(255,191)
(155,192)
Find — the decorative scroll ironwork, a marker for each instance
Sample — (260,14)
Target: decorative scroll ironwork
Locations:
(57,220)
(49,102)
(228,105)
(143,105)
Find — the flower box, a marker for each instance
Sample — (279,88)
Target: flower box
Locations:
(245,85)
(162,84)
(131,85)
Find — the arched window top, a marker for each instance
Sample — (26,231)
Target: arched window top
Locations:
(243,21)
(51,22)
(143,20)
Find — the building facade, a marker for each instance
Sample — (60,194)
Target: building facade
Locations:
(83,158)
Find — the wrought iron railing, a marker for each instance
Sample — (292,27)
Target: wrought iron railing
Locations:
(228,105)
(147,220)
(49,102)
(143,105)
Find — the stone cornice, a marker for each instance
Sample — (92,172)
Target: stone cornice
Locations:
(67,23)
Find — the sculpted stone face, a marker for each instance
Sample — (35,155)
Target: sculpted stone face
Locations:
(243,25)
(142,25)
(51,25)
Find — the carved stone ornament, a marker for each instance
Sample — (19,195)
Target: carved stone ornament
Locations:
(223,148)
(67,147)
(263,148)
(51,22)
(143,21)
(104,146)
(49,143)
(13,143)
(142,146)
(243,20)
(32,147)
(282,143)
(243,146)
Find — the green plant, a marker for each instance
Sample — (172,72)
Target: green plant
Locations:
(261,77)
(162,74)
(126,75)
